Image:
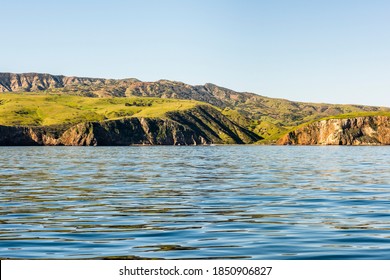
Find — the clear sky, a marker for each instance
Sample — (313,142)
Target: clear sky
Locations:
(335,51)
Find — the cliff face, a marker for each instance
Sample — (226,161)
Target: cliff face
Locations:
(198,126)
(374,130)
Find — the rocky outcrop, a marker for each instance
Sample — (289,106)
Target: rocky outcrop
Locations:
(214,126)
(35,82)
(372,130)
(31,82)
(198,126)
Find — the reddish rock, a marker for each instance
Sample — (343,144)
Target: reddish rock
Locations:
(373,130)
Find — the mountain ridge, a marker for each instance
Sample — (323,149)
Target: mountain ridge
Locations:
(265,116)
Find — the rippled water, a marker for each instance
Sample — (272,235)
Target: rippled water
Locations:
(260,202)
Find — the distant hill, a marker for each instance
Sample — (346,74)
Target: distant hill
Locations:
(43,119)
(267,117)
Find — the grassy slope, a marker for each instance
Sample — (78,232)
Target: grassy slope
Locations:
(268,117)
(29,109)
(358,114)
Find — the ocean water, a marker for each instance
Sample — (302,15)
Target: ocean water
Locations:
(214,202)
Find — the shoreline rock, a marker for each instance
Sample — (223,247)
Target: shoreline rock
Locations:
(371,130)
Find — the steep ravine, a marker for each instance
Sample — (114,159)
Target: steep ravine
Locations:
(371,130)
(198,126)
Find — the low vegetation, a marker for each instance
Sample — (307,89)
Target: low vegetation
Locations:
(32,109)
(358,114)
(44,99)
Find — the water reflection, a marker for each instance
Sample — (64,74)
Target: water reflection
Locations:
(195,202)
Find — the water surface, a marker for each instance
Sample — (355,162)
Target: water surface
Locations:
(246,202)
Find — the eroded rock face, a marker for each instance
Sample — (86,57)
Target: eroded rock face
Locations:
(374,130)
(198,126)
(10,82)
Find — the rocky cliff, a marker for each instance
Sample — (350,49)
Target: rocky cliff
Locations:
(371,130)
(198,126)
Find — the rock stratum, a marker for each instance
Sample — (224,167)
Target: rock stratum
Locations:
(369,130)
(201,125)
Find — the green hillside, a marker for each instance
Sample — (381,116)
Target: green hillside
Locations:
(29,109)
(358,114)
(267,117)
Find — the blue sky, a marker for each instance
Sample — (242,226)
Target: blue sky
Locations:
(319,51)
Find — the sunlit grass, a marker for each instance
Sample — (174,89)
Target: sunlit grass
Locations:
(358,114)
(31,109)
